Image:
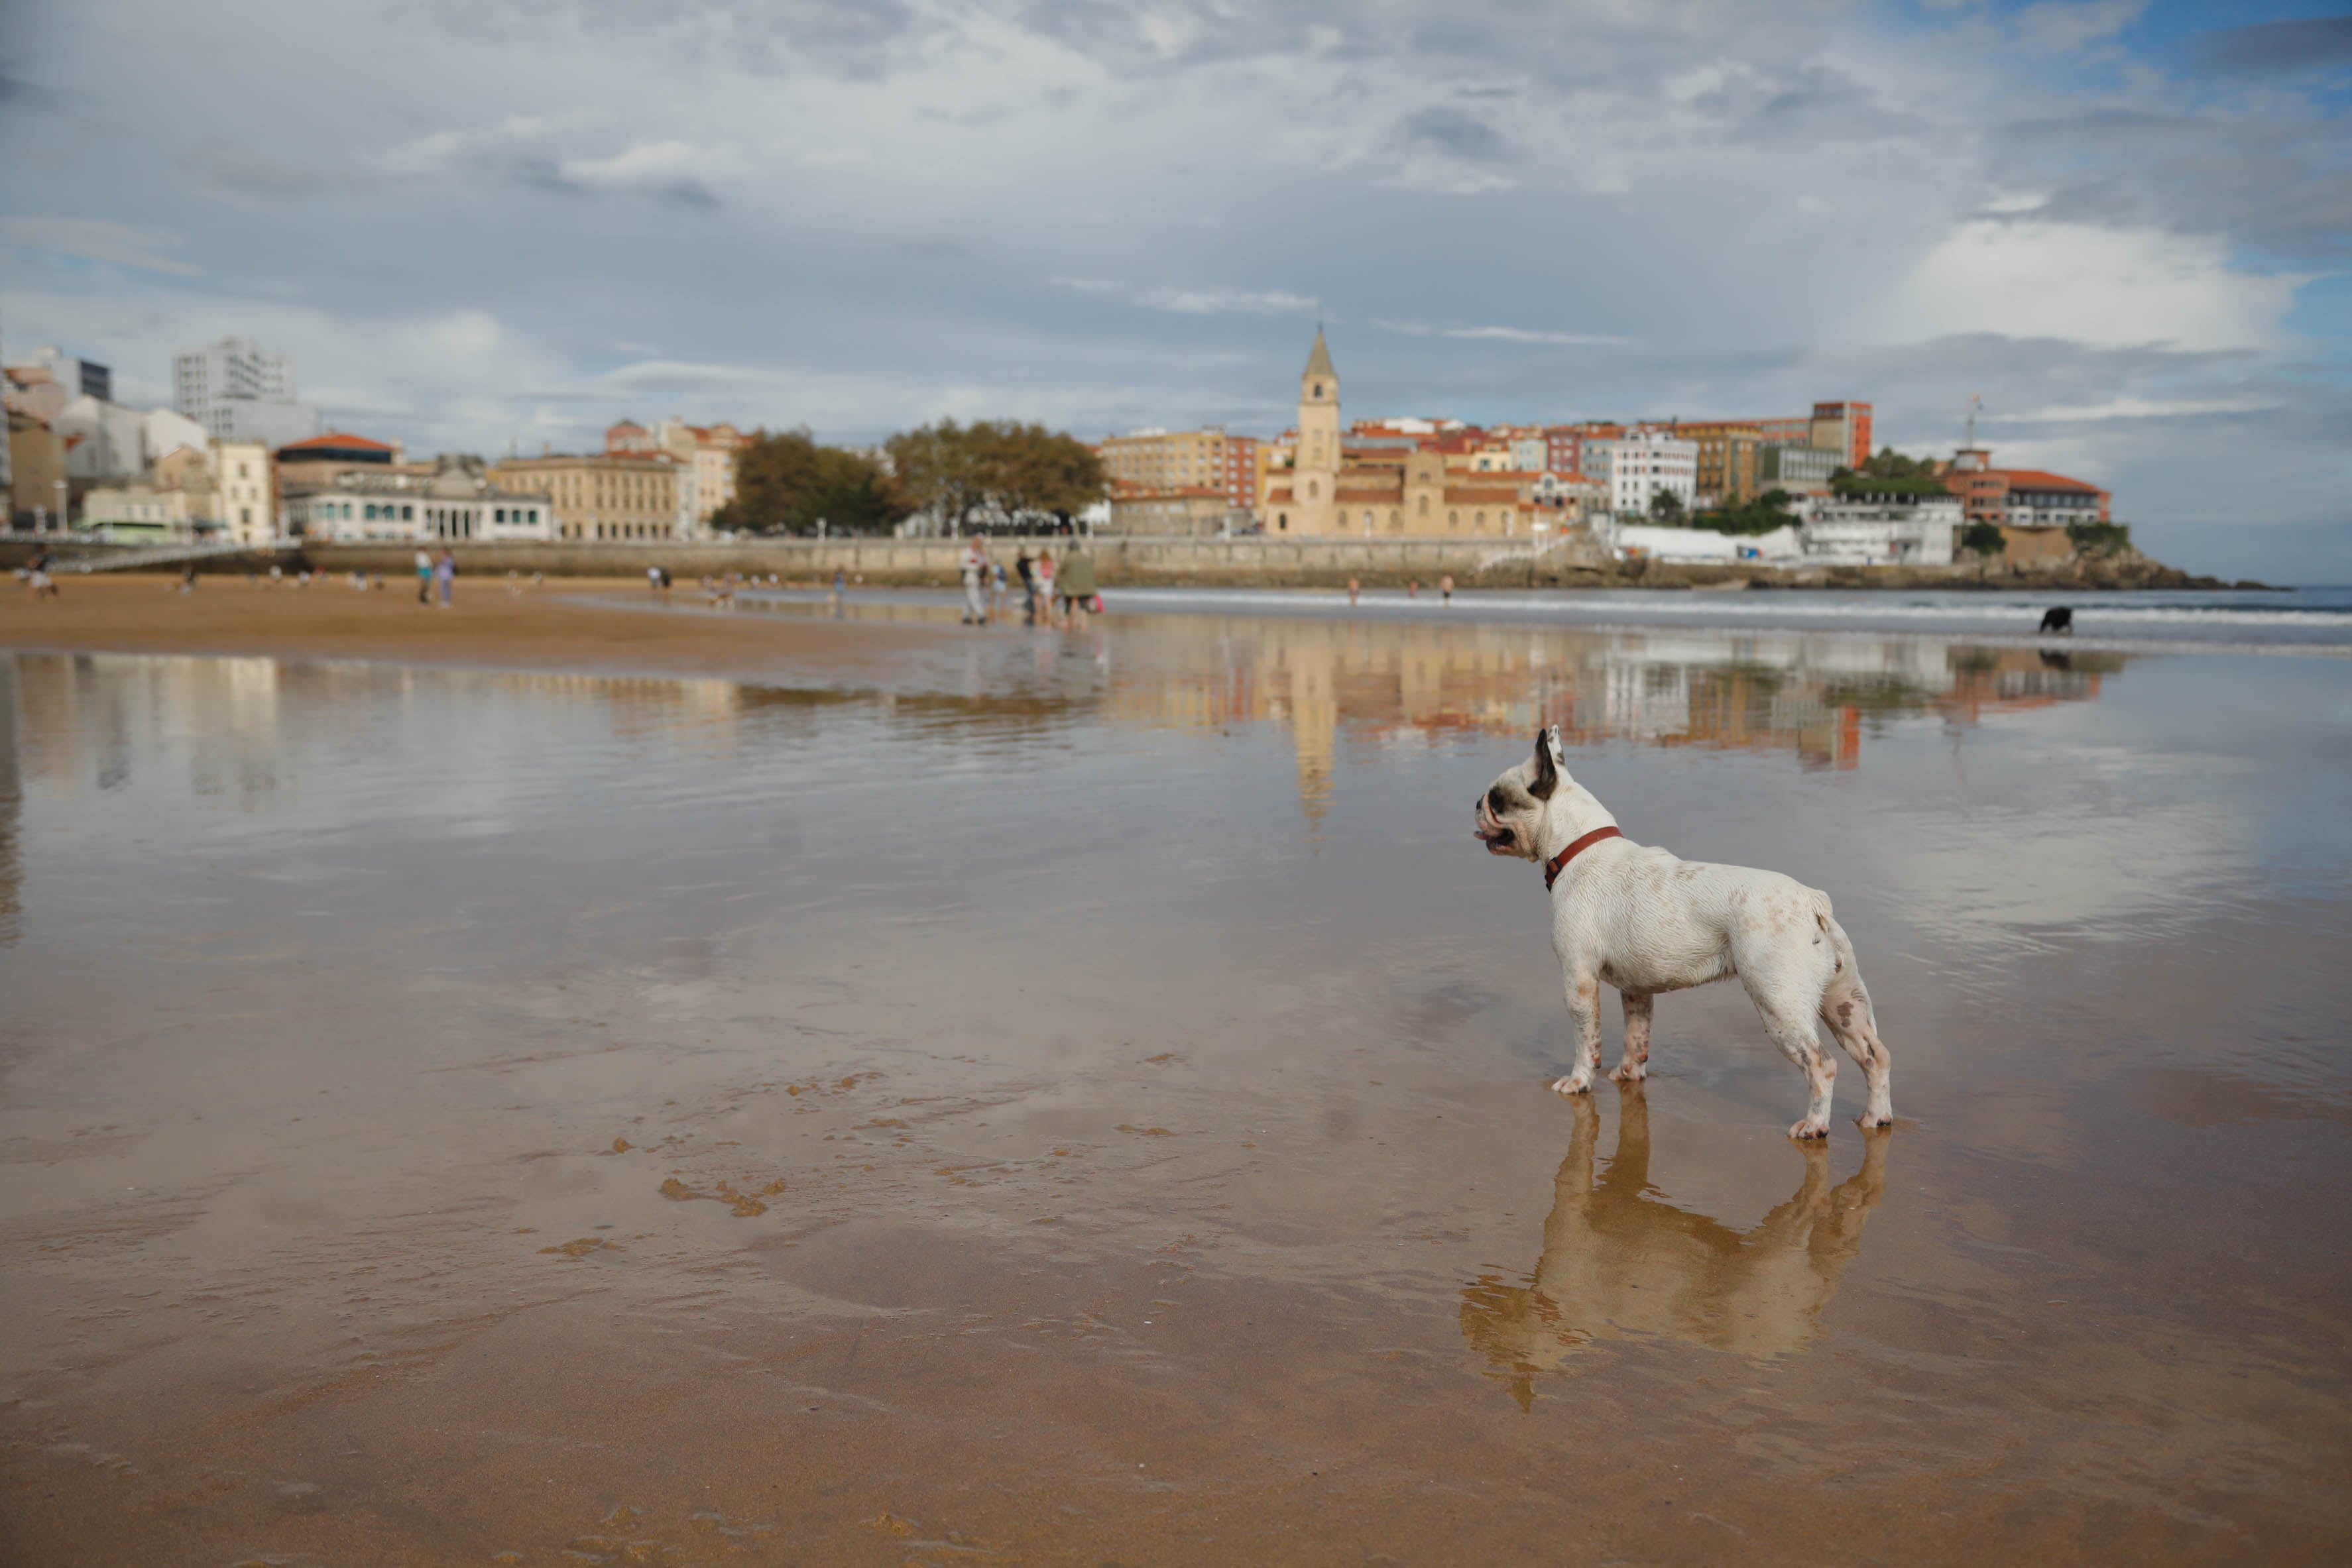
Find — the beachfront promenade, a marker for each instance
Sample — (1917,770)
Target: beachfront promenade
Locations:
(1575,561)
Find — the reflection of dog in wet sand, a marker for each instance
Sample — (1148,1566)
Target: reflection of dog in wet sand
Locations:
(1619,1260)
(1643,921)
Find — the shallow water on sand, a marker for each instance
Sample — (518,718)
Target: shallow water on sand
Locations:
(1081,1098)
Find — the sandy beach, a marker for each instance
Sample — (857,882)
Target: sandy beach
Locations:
(571,624)
(549,1082)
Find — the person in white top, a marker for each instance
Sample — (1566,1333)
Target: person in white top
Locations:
(975,581)
(1043,573)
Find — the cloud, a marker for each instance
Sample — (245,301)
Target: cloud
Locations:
(2112,288)
(1194,301)
(665,171)
(249,178)
(1455,134)
(2264,49)
(2063,26)
(1503,335)
(2279,183)
(101,239)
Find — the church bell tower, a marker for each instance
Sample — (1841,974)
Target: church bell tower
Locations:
(1316,473)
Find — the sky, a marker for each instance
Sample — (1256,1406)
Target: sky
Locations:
(486,226)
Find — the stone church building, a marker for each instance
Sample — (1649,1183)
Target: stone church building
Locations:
(1331,487)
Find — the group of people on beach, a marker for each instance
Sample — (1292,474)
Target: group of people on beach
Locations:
(1061,595)
(35,576)
(437,578)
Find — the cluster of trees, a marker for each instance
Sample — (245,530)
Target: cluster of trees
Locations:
(989,469)
(1762,515)
(787,482)
(1890,473)
(1985,539)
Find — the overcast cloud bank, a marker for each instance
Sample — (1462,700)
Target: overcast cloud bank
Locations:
(507,222)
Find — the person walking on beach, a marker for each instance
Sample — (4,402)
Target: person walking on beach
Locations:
(1076,584)
(975,572)
(1446,587)
(1022,567)
(1352,587)
(1043,591)
(424,577)
(996,587)
(444,573)
(188,578)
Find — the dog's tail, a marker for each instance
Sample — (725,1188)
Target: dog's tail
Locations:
(1827,921)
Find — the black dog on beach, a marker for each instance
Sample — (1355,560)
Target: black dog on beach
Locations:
(2058,619)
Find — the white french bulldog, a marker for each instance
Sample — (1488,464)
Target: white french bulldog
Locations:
(1646,922)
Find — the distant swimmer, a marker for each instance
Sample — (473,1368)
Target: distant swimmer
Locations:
(2059,621)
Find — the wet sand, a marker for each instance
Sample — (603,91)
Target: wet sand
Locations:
(563,623)
(1080,1099)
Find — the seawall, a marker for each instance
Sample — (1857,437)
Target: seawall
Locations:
(1253,562)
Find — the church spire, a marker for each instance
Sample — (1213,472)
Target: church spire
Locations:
(1318,363)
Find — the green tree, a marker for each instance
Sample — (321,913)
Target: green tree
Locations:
(2100,538)
(787,482)
(1762,515)
(988,466)
(1891,474)
(1666,506)
(1985,539)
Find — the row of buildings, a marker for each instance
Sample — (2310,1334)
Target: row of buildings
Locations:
(239,460)
(1443,477)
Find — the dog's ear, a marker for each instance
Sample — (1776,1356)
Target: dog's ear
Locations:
(1547,774)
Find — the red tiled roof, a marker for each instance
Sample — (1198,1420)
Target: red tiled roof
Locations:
(2037,479)
(339,441)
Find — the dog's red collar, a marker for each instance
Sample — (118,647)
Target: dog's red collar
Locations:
(1559,862)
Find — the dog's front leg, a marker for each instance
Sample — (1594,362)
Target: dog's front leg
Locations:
(1584,1013)
(1635,1066)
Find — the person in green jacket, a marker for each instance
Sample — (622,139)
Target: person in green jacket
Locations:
(1076,583)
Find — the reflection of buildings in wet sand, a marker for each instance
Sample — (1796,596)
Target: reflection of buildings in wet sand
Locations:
(12,805)
(1387,681)
(1620,1261)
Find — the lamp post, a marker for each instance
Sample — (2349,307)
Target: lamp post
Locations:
(61,505)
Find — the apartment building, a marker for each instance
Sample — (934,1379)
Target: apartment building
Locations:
(238,391)
(222,491)
(1728,451)
(1181,481)
(1842,428)
(608,495)
(710,450)
(1632,468)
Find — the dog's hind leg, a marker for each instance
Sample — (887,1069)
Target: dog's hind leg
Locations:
(1791,1029)
(1845,1007)
(1635,1065)
(1584,1012)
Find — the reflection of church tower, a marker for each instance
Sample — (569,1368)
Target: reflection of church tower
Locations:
(12,795)
(1315,483)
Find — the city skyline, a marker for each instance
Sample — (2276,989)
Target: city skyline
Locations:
(2121,223)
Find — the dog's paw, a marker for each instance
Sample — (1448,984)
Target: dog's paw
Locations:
(1629,1073)
(1810,1127)
(1574,1083)
(1866,1121)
